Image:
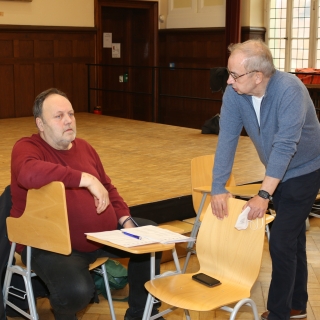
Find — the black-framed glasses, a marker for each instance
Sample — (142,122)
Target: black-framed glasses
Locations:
(235,76)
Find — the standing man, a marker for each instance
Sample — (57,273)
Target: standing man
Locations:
(277,112)
(93,203)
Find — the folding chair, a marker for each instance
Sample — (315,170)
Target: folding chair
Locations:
(201,180)
(43,225)
(225,253)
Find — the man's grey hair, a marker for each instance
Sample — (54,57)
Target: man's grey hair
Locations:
(258,56)
(38,102)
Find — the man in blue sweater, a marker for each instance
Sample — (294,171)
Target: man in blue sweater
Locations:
(277,112)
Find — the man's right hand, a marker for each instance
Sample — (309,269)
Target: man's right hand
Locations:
(96,188)
(219,205)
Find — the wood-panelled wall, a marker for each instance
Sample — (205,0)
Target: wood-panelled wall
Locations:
(193,48)
(33,59)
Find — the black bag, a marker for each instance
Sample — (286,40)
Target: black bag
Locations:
(211,125)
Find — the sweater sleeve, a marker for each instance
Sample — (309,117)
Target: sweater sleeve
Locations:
(230,129)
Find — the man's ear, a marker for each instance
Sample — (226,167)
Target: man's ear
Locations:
(39,124)
(259,77)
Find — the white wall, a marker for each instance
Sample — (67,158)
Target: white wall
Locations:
(172,13)
(196,13)
(72,13)
(252,13)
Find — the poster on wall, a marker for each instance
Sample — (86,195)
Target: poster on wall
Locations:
(107,39)
(116,52)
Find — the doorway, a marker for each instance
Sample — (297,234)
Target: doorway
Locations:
(126,74)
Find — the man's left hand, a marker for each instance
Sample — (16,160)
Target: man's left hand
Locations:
(258,207)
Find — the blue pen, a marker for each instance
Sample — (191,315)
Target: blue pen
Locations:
(131,235)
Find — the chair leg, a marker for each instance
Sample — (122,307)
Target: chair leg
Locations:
(242,302)
(307,224)
(186,261)
(148,308)
(8,275)
(268,232)
(106,282)
(30,297)
(187,314)
(26,275)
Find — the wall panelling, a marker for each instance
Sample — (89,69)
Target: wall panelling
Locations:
(33,59)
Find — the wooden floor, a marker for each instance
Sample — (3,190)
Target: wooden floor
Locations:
(258,294)
(147,162)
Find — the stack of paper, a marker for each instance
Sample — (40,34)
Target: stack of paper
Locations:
(139,236)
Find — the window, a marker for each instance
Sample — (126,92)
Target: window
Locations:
(293,33)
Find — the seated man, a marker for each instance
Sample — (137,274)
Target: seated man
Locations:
(93,203)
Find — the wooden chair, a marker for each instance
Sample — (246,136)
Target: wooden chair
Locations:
(225,253)
(201,179)
(43,225)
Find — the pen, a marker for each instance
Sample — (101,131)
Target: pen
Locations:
(131,235)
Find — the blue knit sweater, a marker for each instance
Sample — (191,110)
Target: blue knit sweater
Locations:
(288,139)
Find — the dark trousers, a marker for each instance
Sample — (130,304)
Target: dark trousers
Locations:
(71,285)
(292,200)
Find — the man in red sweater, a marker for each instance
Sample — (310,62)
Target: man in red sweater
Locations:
(93,203)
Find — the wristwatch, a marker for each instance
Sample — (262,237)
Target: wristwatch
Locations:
(264,194)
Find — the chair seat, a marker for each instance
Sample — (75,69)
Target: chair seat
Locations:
(180,292)
(269,218)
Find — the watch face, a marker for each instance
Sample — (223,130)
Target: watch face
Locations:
(264,194)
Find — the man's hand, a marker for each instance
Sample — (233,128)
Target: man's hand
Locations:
(96,188)
(219,205)
(258,207)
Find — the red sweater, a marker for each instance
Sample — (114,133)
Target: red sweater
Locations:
(35,163)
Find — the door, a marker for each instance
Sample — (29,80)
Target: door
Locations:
(127,76)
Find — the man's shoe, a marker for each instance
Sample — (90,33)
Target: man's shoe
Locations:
(294,314)
(298,314)
(265,315)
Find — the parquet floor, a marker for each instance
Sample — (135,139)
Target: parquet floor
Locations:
(147,162)
(258,294)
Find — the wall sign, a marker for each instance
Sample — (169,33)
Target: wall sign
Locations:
(107,40)
(116,50)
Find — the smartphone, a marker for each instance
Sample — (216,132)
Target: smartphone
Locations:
(206,280)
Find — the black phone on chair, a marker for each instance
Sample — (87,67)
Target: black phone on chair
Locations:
(206,280)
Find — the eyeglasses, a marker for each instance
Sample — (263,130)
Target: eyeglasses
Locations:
(235,76)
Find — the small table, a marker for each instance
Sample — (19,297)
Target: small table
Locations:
(152,249)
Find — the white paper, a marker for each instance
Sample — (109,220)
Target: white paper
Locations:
(116,50)
(107,40)
(117,237)
(158,234)
(148,234)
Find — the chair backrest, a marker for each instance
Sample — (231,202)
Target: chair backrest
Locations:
(201,175)
(44,223)
(227,253)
